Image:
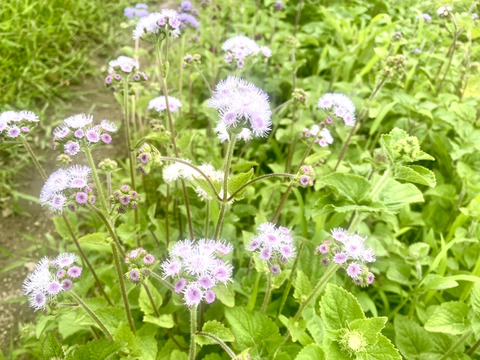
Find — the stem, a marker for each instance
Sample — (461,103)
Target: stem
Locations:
(207,218)
(457,344)
(159,278)
(323,281)
(92,315)
(122,287)
(110,229)
(96,179)
(228,162)
(253,297)
(34,158)
(167,205)
(193,331)
(257,179)
(268,293)
(150,297)
(220,342)
(379,186)
(474,348)
(85,258)
(450,53)
(203,77)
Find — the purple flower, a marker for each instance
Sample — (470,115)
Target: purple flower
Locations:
(134,275)
(81,197)
(129,12)
(148,259)
(275,269)
(93,135)
(61,273)
(79,134)
(180,285)
(209,296)
(74,272)
(304,180)
(353,270)
(186,6)
(192,295)
(188,19)
(125,200)
(106,138)
(72,148)
(370,278)
(206,282)
(13,131)
(340,258)
(108,80)
(144,158)
(427,17)
(265,254)
(53,288)
(67,284)
(278,5)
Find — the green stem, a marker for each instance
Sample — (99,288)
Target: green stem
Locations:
(226,171)
(147,272)
(332,269)
(474,348)
(121,282)
(253,296)
(455,346)
(34,158)
(193,331)
(110,229)
(203,77)
(220,342)
(96,179)
(257,179)
(207,218)
(167,206)
(268,293)
(150,297)
(92,315)
(451,52)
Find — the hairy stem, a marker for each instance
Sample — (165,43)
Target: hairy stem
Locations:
(150,298)
(219,342)
(147,272)
(193,331)
(257,179)
(268,293)
(96,179)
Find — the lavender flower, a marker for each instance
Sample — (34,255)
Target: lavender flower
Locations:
(197,268)
(156,23)
(188,19)
(66,185)
(43,285)
(349,251)
(139,11)
(243,109)
(159,104)
(338,105)
(273,245)
(123,64)
(13,123)
(444,11)
(240,47)
(426,17)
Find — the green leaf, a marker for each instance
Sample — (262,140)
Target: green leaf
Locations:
(163,321)
(51,347)
(338,307)
(42,322)
(216,329)
(335,353)
(249,328)
(395,195)
(97,349)
(297,330)
(382,350)
(144,300)
(353,187)
(61,227)
(317,156)
(416,174)
(411,339)
(449,318)
(475,299)
(96,238)
(369,328)
(310,352)
(238,181)
(302,286)
(225,294)
(125,335)
(381,115)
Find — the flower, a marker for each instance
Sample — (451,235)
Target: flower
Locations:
(426,17)
(348,250)
(242,107)
(159,104)
(240,47)
(157,23)
(273,245)
(197,268)
(338,105)
(14,123)
(124,64)
(42,285)
(444,11)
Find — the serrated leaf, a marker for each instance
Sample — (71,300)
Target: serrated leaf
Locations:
(225,294)
(42,322)
(310,352)
(317,156)
(416,174)
(216,329)
(249,328)
(238,181)
(353,187)
(411,339)
(125,335)
(96,238)
(204,184)
(97,349)
(449,318)
(163,321)
(144,300)
(51,347)
(338,308)
(302,286)
(395,195)
(475,299)
(382,350)
(369,328)
(335,353)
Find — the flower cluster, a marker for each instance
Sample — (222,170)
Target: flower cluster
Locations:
(278,5)
(324,137)
(125,198)
(348,251)
(14,123)
(187,15)
(158,23)
(78,129)
(339,106)
(140,11)
(67,187)
(159,104)
(49,278)
(306,175)
(273,245)
(242,107)
(124,67)
(136,260)
(108,165)
(300,96)
(197,268)
(394,67)
(191,59)
(240,47)
(445,11)
(148,157)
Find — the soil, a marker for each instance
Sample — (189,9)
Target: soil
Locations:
(35,222)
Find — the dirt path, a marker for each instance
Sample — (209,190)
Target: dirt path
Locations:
(24,236)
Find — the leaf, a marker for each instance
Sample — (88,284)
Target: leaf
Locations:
(249,328)
(395,195)
(381,115)
(125,335)
(42,322)
(416,174)
(310,352)
(338,307)
(382,350)
(144,300)
(317,156)
(475,299)
(237,182)
(297,330)
(216,329)
(411,339)
(449,318)
(302,286)
(51,347)
(96,238)
(97,349)
(353,187)
(369,328)
(225,294)
(163,321)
